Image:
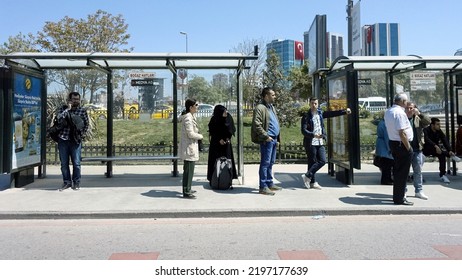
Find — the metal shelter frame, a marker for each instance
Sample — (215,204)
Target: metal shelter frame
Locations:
(394,65)
(107,62)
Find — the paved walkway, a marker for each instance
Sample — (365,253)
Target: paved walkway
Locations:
(149,191)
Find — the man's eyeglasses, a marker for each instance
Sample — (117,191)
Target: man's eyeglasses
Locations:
(196,105)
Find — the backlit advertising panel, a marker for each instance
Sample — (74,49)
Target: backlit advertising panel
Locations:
(343,131)
(27,120)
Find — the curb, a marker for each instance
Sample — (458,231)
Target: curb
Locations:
(315,213)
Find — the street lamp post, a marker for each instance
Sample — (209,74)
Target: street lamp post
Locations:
(183,72)
(186,35)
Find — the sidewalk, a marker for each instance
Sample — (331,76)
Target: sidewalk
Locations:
(149,191)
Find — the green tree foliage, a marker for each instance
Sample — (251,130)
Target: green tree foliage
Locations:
(301,82)
(272,77)
(204,92)
(79,35)
(20,43)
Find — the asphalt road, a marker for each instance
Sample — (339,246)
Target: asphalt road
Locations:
(317,237)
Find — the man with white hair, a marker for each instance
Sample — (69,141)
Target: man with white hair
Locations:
(400,133)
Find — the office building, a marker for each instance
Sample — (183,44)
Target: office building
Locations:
(290,53)
(334,46)
(381,39)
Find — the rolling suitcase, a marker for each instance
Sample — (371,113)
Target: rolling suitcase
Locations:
(222,177)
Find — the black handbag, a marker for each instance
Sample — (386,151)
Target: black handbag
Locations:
(377,161)
(201,145)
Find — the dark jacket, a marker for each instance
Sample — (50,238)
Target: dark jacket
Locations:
(433,138)
(307,125)
(420,122)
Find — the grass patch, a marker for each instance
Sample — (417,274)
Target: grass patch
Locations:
(160,131)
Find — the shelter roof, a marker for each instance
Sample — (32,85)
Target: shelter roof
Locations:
(398,63)
(130,60)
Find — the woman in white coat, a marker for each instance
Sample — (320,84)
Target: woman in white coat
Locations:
(189,148)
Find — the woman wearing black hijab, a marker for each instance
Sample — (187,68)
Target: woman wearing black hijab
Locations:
(221,129)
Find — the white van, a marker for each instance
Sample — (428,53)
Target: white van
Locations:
(373,104)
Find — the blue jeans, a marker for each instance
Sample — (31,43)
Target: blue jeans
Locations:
(417,163)
(268,157)
(316,160)
(73,150)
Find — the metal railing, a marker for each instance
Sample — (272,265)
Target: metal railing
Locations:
(287,153)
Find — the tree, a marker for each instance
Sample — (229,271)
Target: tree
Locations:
(272,77)
(20,43)
(251,77)
(301,82)
(78,35)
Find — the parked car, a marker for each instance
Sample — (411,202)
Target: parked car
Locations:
(205,110)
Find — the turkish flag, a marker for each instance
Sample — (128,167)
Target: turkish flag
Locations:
(299,51)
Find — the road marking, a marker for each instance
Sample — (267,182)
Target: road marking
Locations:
(135,256)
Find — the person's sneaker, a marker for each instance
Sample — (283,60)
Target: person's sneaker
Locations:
(76,186)
(456,158)
(266,191)
(275,188)
(315,186)
(445,179)
(421,195)
(306,181)
(65,186)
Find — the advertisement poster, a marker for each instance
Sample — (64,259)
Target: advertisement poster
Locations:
(27,104)
(338,127)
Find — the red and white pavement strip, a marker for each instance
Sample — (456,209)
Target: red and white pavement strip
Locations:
(135,256)
(302,255)
(453,252)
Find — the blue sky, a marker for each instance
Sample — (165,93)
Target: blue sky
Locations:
(218,25)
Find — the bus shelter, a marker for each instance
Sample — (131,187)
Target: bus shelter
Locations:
(19,69)
(342,86)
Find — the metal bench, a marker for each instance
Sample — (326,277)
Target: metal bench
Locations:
(109,160)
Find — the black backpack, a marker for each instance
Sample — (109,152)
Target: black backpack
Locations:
(55,129)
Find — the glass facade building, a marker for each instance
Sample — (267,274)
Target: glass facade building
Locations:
(334,46)
(286,51)
(381,39)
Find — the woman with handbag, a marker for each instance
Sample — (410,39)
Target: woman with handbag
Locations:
(189,148)
(383,158)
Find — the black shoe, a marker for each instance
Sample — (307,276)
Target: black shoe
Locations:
(189,196)
(65,186)
(76,187)
(405,202)
(193,191)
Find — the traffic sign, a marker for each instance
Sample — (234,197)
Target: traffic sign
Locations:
(182,73)
(364,82)
(144,82)
(141,75)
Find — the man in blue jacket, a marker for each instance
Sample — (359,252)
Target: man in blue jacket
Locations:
(314,140)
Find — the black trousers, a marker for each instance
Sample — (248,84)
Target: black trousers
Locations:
(386,169)
(403,158)
(431,151)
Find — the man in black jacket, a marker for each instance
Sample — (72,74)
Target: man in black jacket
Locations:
(314,132)
(434,138)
